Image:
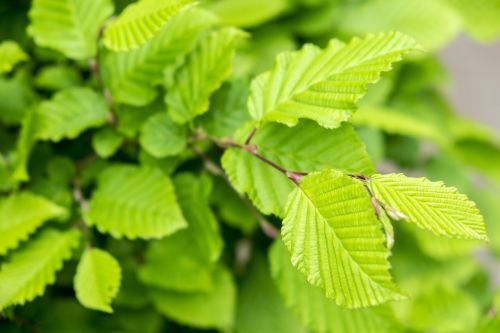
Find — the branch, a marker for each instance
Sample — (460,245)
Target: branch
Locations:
(225,143)
(267,227)
(84,207)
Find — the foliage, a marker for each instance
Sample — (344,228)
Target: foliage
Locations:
(243,166)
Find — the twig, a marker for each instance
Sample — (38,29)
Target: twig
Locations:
(267,228)
(84,206)
(250,136)
(294,176)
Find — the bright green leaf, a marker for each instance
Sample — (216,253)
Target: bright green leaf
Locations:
(161,137)
(430,205)
(255,11)
(213,309)
(208,65)
(139,22)
(69,113)
(260,306)
(336,241)
(30,269)
(188,269)
(17,222)
(24,145)
(480,17)
(69,26)
(136,203)
(97,280)
(10,55)
(106,142)
(316,311)
(306,147)
(325,85)
(57,77)
(432,23)
(227,110)
(193,193)
(132,76)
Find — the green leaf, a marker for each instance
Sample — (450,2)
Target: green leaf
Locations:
(325,85)
(24,145)
(443,309)
(10,55)
(336,241)
(208,65)
(430,205)
(432,23)
(16,95)
(394,121)
(260,306)
(139,22)
(161,137)
(231,207)
(132,76)
(57,77)
(106,142)
(131,118)
(227,110)
(30,269)
(69,113)
(213,309)
(481,18)
(69,26)
(188,269)
(17,222)
(97,280)
(318,313)
(255,11)
(489,325)
(193,194)
(444,248)
(136,203)
(306,147)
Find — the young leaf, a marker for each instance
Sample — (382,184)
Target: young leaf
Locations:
(255,11)
(161,137)
(336,241)
(430,205)
(193,194)
(443,309)
(260,306)
(208,65)
(106,142)
(306,147)
(132,76)
(97,280)
(10,55)
(17,222)
(139,22)
(30,269)
(214,309)
(24,145)
(136,203)
(318,313)
(394,121)
(69,26)
(69,113)
(227,110)
(57,77)
(325,85)
(481,18)
(430,22)
(188,269)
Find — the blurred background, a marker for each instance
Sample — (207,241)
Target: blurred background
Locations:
(475,69)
